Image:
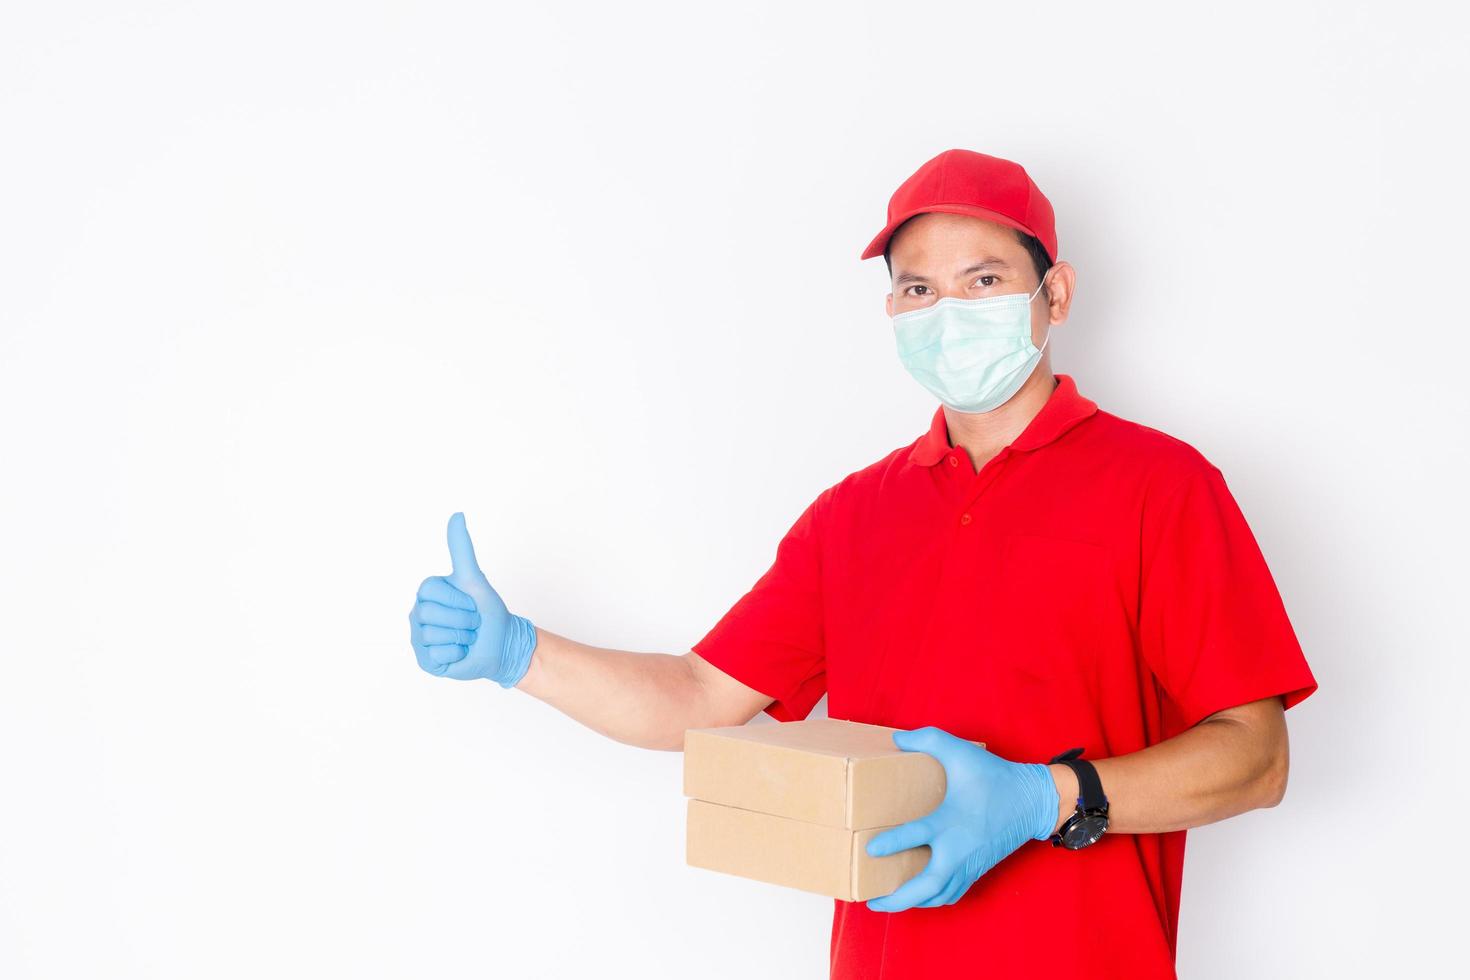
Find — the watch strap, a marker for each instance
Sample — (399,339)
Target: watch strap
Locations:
(1089,785)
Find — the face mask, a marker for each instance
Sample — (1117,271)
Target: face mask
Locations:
(973,354)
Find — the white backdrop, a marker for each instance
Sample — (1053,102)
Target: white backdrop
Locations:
(282,285)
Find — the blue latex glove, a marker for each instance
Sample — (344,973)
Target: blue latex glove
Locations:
(990,808)
(460,628)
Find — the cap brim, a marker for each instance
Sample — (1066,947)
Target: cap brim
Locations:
(875,247)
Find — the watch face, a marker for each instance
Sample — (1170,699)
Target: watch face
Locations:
(1085,830)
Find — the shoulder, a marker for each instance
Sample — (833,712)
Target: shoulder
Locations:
(893,466)
(863,487)
(1145,454)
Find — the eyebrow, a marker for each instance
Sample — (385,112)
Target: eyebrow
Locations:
(989,261)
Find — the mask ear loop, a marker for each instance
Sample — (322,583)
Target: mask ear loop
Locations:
(1048,326)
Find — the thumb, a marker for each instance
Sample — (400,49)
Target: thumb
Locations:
(461,551)
(935,741)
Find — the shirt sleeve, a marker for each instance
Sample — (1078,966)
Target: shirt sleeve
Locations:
(1212,625)
(772,638)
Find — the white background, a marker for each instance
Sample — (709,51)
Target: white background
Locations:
(282,285)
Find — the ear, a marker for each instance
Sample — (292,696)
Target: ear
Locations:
(1061,283)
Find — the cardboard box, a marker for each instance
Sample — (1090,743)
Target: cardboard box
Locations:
(796,803)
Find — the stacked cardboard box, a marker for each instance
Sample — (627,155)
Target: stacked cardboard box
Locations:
(796,803)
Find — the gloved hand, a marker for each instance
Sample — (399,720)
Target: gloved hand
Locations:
(460,628)
(990,808)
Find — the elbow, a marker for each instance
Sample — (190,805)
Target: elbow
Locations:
(1275,789)
(1273,783)
(1262,754)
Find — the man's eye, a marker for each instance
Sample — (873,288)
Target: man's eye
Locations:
(983,278)
(917,286)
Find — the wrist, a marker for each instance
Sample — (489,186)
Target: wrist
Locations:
(1064,780)
(520,645)
(1043,797)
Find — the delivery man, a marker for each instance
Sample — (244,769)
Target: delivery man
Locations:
(1079,591)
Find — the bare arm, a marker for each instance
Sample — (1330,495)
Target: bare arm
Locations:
(642,699)
(1233,761)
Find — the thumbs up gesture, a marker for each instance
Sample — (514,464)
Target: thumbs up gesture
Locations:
(459,626)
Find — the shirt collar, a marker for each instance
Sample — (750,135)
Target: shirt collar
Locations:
(1064,408)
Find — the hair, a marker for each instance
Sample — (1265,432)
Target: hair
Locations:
(1039,259)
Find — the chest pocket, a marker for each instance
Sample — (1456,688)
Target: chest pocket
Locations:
(1060,594)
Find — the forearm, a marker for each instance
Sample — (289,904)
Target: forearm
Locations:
(1217,769)
(641,699)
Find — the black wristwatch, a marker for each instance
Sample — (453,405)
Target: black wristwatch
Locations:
(1087,824)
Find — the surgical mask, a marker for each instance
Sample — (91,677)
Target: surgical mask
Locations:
(973,354)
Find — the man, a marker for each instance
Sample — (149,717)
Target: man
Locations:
(1031,572)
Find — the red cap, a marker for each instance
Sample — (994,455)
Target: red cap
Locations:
(966,182)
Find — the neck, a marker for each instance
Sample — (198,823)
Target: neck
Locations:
(981,435)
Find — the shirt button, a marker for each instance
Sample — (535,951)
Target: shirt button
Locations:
(964,518)
(954,461)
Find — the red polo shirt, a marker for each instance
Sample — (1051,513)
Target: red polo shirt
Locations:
(1093,584)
